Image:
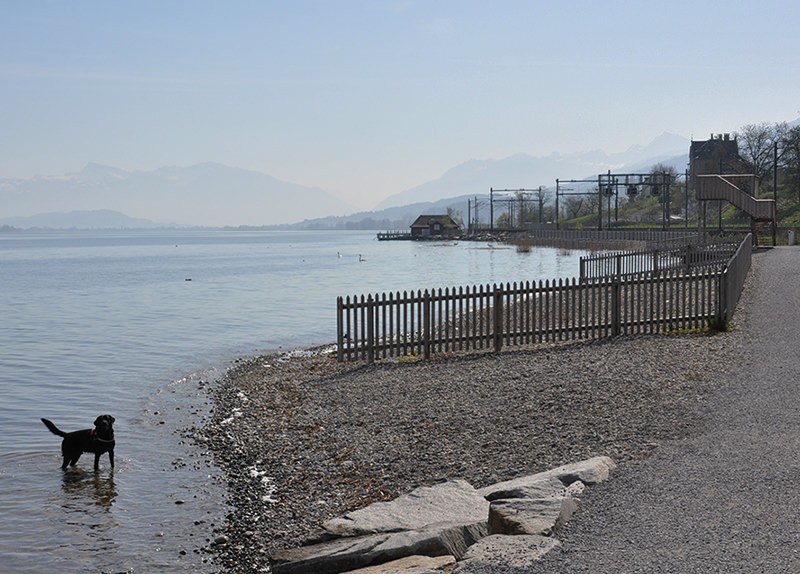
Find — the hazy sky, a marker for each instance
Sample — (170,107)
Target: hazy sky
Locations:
(367,98)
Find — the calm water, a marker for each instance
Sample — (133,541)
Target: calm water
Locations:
(132,324)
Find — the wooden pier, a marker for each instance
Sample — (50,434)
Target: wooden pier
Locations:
(394,235)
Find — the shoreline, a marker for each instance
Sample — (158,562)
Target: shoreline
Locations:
(302,438)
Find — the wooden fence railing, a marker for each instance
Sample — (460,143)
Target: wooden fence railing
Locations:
(654,261)
(424,323)
(734,276)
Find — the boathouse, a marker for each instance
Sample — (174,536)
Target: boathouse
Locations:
(434,226)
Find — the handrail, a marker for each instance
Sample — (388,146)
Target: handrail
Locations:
(720,187)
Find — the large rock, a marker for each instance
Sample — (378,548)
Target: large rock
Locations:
(349,553)
(451,520)
(539,516)
(412,565)
(543,487)
(500,553)
(589,472)
(455,501)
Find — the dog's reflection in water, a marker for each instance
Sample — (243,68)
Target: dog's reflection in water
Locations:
(90,486)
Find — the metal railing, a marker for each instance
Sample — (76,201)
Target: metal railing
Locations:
(656,260)
(722,188)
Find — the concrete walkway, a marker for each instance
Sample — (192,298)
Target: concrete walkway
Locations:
(729,499)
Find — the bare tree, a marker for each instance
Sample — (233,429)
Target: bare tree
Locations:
(456,215)
(542,197)
(663,176)
(577,205)
(789,159)
(756,145)
(664,168)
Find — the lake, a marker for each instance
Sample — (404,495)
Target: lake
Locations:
(136,324)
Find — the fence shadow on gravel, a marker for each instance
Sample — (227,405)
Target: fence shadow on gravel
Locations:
(492,317)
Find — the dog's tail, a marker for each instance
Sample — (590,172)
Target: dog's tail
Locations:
(53,428)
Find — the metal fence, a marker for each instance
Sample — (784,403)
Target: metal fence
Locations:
(650,236)
(431,322)
(655,261)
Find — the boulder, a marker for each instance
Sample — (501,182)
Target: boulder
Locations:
(575,490)
(350,553)
(589,472)
(412,565)
(430,527)
(543,487)
(500,553)
(454,501)
(540,516)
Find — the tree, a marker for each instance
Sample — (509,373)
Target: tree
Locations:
(757,144)
(456,215)
(503,220)
(522,200)
(663,176)
(789,159)
(664,168)
(578,205)
(542,196)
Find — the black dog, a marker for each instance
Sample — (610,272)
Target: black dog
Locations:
(98,440)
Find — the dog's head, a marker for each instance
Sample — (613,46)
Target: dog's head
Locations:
(104,425)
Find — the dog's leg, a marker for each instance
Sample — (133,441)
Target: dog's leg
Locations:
(111,457)
(96,461)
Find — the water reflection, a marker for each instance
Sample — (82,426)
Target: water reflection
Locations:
(92,529)
(81,487)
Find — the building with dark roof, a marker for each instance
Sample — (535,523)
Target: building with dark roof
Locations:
(718,155)
(434,226)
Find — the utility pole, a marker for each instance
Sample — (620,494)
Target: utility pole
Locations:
(541,202)
(510,203)
(686,199)
(557,194)
(491,209)
(775,179)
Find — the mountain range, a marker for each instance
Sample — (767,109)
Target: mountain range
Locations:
(206,194)
(522,170)
(211,194)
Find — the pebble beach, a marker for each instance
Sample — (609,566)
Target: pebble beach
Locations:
(303,438)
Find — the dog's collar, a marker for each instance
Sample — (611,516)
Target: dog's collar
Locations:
(93,435)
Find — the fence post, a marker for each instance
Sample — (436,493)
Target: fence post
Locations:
(339,330)
(370,330)
(688,258)
(616,307)
(722,301)
(426,326)
(498,318)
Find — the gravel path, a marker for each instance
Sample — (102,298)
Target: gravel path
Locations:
(305,439)
(725,500)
